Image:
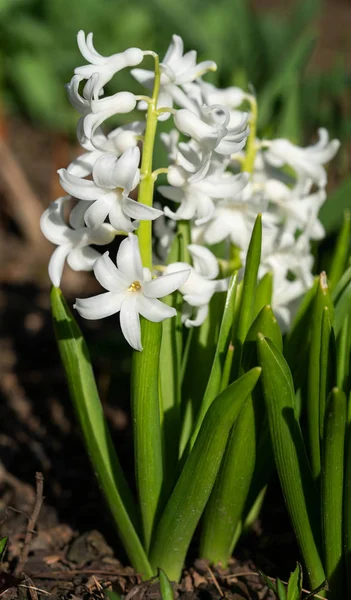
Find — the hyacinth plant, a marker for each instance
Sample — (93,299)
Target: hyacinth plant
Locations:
(234,339)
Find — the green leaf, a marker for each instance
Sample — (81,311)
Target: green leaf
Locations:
(322,300)
(214,382)
(332,491)
(281,589)
(276,85)
(341,252)
(332,212)
(269,583)
(188,500)
(224,510)
(342,299)
(343,356)
(245,314)
(263,294)
(148,448)
(170,375)
(3,544)
(111,595)
(295,584)
(327,366)
(290,454)
(82,386)
(298,339)
(347,501)
(165,586)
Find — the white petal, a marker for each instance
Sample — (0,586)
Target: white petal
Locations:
(109,276)
(204,209)
(118,218)
(82,259)
(56,264)
(76,218)
(52,222)
(166,284)
(144,77)
(185,212)
(154,310)
(96,213)
(130,325)
(78,188)
(128,258)
(199,299)
(201,315)
(170,193)
(137,210)
(205,263)
(99,307)
(126,168)
(83,165)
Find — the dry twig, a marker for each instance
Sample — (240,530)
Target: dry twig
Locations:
(39,479)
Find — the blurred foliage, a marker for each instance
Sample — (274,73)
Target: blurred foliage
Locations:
(38,53)
(266,50)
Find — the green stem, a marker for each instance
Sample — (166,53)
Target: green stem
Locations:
(249,160)
(146,188)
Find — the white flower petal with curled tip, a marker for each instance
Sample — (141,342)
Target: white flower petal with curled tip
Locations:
(108,192)
(131,291)
(104,67)
(73,243)
(306,162)
(197,198)
(201,284)
(177,69)
(210,128)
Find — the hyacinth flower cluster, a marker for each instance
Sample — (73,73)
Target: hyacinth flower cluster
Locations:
(219,175)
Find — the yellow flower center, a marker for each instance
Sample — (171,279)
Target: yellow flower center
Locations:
(135,286)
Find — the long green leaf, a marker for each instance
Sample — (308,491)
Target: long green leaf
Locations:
(244,315)
(81,382)
(347,500)
(170,375)
(224,510)
(322,300)
(214,382)
(332,491)
(193,488)
(148,449)
(327,366)
(341,252)
(290,454)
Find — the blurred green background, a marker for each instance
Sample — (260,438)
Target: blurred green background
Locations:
(268,48)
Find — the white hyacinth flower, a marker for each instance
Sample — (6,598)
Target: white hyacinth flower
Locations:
(306,162)
(116,142)
(201,284)
(131,291)
(196,198)
(212,132)
(108,192)
(73,242)
(177,69)
(233,219)
(102,67)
